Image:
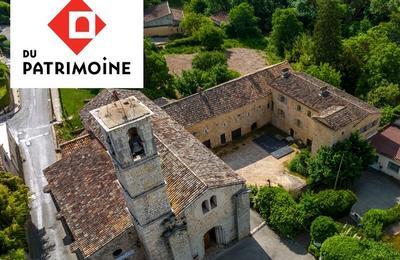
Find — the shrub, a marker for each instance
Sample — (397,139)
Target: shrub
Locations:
(285,218)
(211,37)
(192,22)
(322,228)
(299,163)
(344,247)
(253,194)
(206,60)
(332,203)
(265,199)
(374,220)
(191,40)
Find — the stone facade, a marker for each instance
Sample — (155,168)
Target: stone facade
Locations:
(127,244)
(256,114)
(223,210)
(306,108)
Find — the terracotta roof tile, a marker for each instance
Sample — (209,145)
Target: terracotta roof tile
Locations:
(299,86)
(387,142)
(157,11)
(71,146)
(90,199)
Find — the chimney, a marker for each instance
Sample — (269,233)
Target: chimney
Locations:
(323,91)
(285,73)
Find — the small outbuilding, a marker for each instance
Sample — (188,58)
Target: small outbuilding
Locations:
(161,20)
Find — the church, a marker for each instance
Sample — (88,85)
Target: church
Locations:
(137,185)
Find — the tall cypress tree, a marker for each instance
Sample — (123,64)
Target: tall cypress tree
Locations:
(327,32)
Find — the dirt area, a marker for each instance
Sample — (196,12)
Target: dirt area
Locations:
(258,167)
(242,60)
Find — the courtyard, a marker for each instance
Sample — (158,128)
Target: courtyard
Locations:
(256,165)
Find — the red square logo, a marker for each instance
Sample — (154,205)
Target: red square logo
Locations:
(77,25)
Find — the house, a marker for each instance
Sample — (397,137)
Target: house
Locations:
(220,18)
(161,20)
(312,111)
(387,145)
(138,185)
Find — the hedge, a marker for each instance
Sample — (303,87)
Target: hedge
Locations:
(321,229)
(374,220)
(344,248)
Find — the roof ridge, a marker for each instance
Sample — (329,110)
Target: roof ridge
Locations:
(227,82)
(75,139)
(180,160)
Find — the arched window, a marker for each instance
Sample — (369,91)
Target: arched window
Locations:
(205,206)
(82,24)
(213,201)
(135,143)
(117,252)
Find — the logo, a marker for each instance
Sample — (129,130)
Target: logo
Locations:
(77,25)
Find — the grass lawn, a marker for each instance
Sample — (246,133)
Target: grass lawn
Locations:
(251,43)
(72,101)
(4,97)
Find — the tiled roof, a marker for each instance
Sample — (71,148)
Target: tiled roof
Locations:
(71,146)
(84,183)
(220,17)
(218,100)
(89,196)
(200,161)
(299,86)
(157,11)
(387,142)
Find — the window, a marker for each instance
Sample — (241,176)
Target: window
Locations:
(282,98)
(254,126)
(281,113)
(394,167)
(272,105)
(223,139)
(268,106)
(205,207)
(205,131)
(309,113)
(213,201)
(298,122)
(117,252)
(298,108)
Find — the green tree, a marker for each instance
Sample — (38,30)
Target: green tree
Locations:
(14,212)
(385,95)
(381,9)
(203,60)
(197,6)
(149,3)
(4,13)
(285,29)
(326,73)
(215,6)
(350,68)
(389,114)
(191,80)
(243,22)
(211,37)
(383,64)
(192,22)
(343,248)
(302,52)
(306,11)
(327,32)
(299,163)
(156,77)
(321,228)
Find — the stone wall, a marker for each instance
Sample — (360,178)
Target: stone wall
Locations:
(162,31)
(258,112)
(223,217)
(128,242)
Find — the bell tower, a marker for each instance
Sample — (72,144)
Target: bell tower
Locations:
(128,137)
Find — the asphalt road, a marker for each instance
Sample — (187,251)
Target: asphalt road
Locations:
(32,127)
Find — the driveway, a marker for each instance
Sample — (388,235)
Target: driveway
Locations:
(265,244)
(375,190)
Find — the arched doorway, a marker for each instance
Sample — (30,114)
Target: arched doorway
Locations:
(213,238)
